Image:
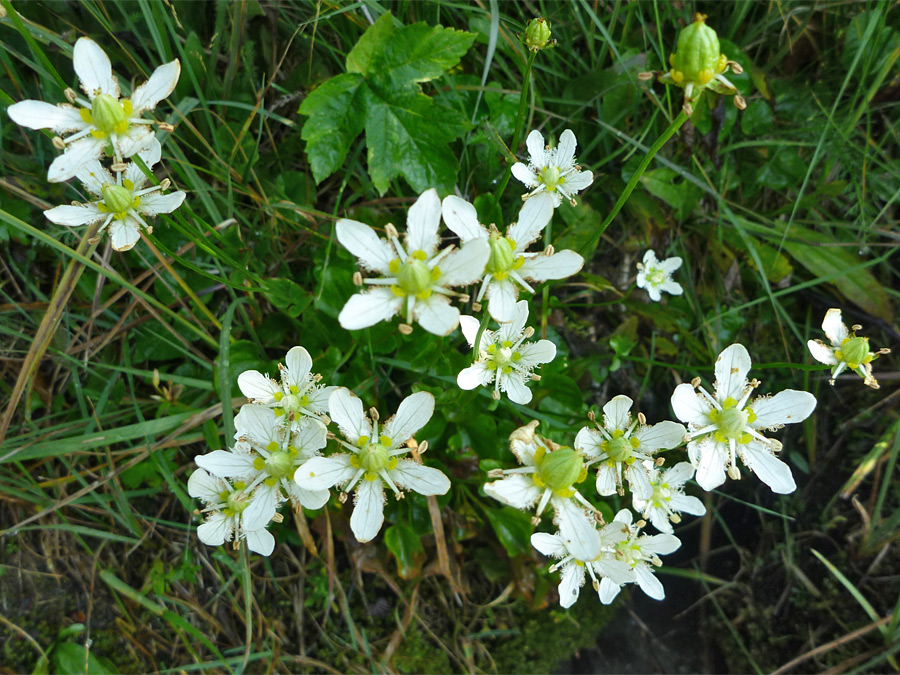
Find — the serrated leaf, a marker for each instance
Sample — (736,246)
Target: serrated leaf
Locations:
(419,53)
(334,121)
(370,45)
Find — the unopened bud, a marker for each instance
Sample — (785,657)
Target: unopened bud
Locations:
(155,378)
(537,34)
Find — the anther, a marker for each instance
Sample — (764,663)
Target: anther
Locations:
(535,520)
(70,95)
(646,76)
(400,495)
(856,327)
(528,332)
(659,461)
(736,67)
(164,185)
(405,329)
(165,126)
(464,297)
(495,395)
(495,473)
(641,523)
(739,102)
(695,383)
(734,473)
(592,416)
(549,250)
(317,377)
(642,419)
(278,517)
(118,167)
(423,446)
(59,143)
(373,413)
(535,378)
(476,306)
(342,498)
(326,420)
(357,278)
(596,584)
(391,231)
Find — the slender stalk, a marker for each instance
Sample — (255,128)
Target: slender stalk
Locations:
(476,346)
(520,122)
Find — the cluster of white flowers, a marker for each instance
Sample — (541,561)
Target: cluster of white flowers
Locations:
(106,124)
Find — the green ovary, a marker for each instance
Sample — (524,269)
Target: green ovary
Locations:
(502,359)
(373,458)
(413,276)
(279,464)
(559,470)
(656,276)
(235,503)
(550,177)
(854,350)
(619,448)
(503,258)
(731,422)
(108,115)
(697,58)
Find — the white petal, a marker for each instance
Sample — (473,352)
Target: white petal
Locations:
(155,203)
(516,490)
(161,83)
(466,265)
(689,406)
(74,158)
(260,541)
(542,351)
(658,518)
(650,259)
(259,423)
(322,473)
(660,544)
(124,233)
(309,499)
(216,530)
(649,583)
(687,504)
(549,544)
(786,407)
(670,265)
(462,219)
(671,287)
(534,216)
(476,375)
(368,308)
(139,137)
(576,182)
(94,69)
(257,387)
(360,239)
(525,175)
(834,327)
(262,507)
(425,480)
(436,315)
(608,590)
(347,412)
(368,510)
(654,293)
(664,435)
(770,470)
(514,385)
(822,352)
(311,437)
(589,442)
(299,363)
(679,474)
(606,479)
(94,176)
(318,399)
(502,300)
(570,583)
(577,528)
(73,216)
(41,115)
(624,516)
(616,413)
(512,331)
(617,571)
(203,486)
(422,222)
(711,463)
(413,414)
(225,464)
(640,486)
(536,148)
(469,326)
(565,150)
(732,367)
(150,156)
(560,265)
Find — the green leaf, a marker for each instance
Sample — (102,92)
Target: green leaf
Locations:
(418,53)
(70,658)
(287,295)
(406,547)
(370,45)
(674,190)
(512,527)
(334,121)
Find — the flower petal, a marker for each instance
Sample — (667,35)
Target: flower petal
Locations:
(311,437)
(822,352)
(299,363)
(347,412)
(617,413)
(687,504)
(638,481)
(516,490)
(203,486)
(565,149)
(679,474)
(786,407)
(368,510)
(476,375)
(660,544)
(309,499)
(768,468)
(161,83)
(534,216)
(94,176)
(589,442)
(732,367)
(512,330)
(260,541)
(216,530)
(225,464)
(469,326)
(466,265)
(124,233)
(436,315)
(549,544)
(361,240)
(368,308)
(262,507)
(560,265)
(40,115)
(502,300)
(649,583)
(422,222)
(258,387)
(513,384)
(570,582)
(413,414)
(524,174)
(710,463)
(139,137)
(617,571)
(536,148)
(322,473)
(834,327)
(689,406)
(606,479)
(156,202)
(671,287)
(462,219)
(533,353)
(94,69)
(74,158)
(576,182)
(660,436)
(73,216)
(425,480)
(258,423)
(608,590)
(577,528)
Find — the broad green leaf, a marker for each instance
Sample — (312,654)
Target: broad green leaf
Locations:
(512,527)
(370,45)
(69,657)
(335,119)
(680,194)
(406,547)
(418,53)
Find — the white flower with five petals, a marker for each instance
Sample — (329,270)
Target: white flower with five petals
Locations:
(728,425)
(510,265)
(504,357)
(846,351)
(552,170)
(668,498)
(105,120)
(656,276)
(373,461)
(123,203)
(415,275)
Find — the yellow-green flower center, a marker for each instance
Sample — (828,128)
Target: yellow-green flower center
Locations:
(662,495)
(731,423)
(279,464)
(697,58)
(503,258)
(854,350)
(118,199)
(550,177)
(655,276)
(413,276)
(293,403)
(109,115)
(501,358)
(620,448)
(559,469)
(235,502)
(373,457)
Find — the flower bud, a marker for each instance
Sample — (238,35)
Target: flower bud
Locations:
(697,58)
(537,34)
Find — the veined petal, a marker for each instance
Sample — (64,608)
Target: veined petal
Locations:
(660,436)
(225,464)
(660,544)
(732,367)
(679,474)
(711,459)
(425,480)
(570,582)
(94,69)
(413,414)
(617,413)
(822,352)
(533,353)
(657,517)
(608,590)
(834,327)
(422,222)
(216,530)
(589,442)
(259,423)
(260,541)
(462,219)
(347,412)
(786,407)
(318,398)
(577,182)
(299,363)
(322,473)
(516,490)
(687,504)
(617,571)
(689,406)
(436,315)
(74,158)
(73,216)
(368,308)
(577,528)
(161,83)
(258,387)
(311,437)
(469,326)
(155,203)
(606,479)
(203,486)
(525,175)
(560,265)
(362,241)
(638,481)
(466,265)
(138,137)
(534,216)
(624,516)
(768,468)
(476,375)
(261,508)
(94,176)
(124,233)
(502,300)
(649,583)
(565,149)
(40,115)
(549,544)
(513,384)
(536,148)
(512,331)
(368,510)
(309,499)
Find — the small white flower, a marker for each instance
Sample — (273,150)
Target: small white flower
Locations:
(510,265)
(727,426)
(656,276)
(416,276)
(621,446)
(846,351)
(265,457)
(299,392)
(105,120)
(123,202)
(548,474)
(374,458)
(668,498)
(572,568)
(640,552)
(504,357)
(226,504)
(552,170)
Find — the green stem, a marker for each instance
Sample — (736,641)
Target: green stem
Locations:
(629,188)
(477,344)
(520,122)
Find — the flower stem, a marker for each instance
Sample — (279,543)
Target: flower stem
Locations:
(476,346)
(520,122)
(629,188)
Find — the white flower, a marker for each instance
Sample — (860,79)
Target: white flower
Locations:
(846,349)
(656,276)
(374,458)
(105,120)
(620,445)
(415,275)
(265,457)
(510,265)
(640,552)
(552,170)
(726,426)
(123,203)
(572,568)
(504,357)
(226,504)
(297,394)
(668,498)
(548,473)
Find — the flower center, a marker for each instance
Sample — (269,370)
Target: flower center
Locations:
(662,495)
(118,199)
(656,276)
(559,469)
(293,403)
(854,350)
(279,464)
(235,502)
(732,422)
(550,177)
(373,458)
(503,357)
(413,276)
(697,58)
(620,448)
(108,115)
